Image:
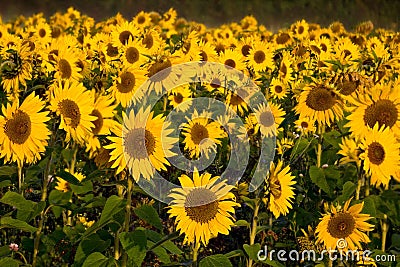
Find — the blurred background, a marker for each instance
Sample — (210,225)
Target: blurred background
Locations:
(273,14)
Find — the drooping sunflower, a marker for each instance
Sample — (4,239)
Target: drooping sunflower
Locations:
(104,111)
(280,186)
(269,117)
(260,56)
(201,135)
(378,106)
(344,223)
(178,96)
(23,131)
(346,51)
(64,186)
(203,207)
(236,102)
(71,101)
(285,68)
(319,103)
(16,67)
(381,155)
(143,144)
(124,87)
(349,149)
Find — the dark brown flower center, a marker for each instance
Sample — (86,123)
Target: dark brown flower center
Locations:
(98,123)
(246,50)
(178,98)
(278,89)
(203,56)
(141,20)
(376,153)
(383,112)
(216,83)
(347,87)
(127,82)
(42,33)
(198,133)
(148,41)
(304,124)
(124,37)
(267,119)
(321,98)
(235,100)
(139,143)
(65,69)
(259,57)
(112,51)
(70,111)
(158,68)
(132,55)
(341,225)
(230,62)
(18,128)
(201,205)
(282,38)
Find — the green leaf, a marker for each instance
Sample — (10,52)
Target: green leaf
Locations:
(9,262)
(99,260)
(160,252)
(216,260)
(318,177)
(18,201)
(90,244)
(252,250)
(8,222)
(70,178)
(168,245)
(150,215)
(4,251)
(114,205)
(134,244)
(396,241)
(85,187)
(235,253)
(7,170)
(5,183)
(242,223)
(348,190)
(59,198)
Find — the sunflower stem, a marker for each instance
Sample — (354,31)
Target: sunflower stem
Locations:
(367,181)
(72,170)
(385,229)
(196,247)
(20,178)
(36,243)
(253,230)
(321,130)
(127,213)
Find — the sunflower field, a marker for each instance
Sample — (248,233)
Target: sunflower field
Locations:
(158,141)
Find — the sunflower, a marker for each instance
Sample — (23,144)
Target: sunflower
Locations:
(43,32)
(63,185)
(67,66)
(280,186)
(378,106)
(203,207)
(179,97)
(283,145)
(162,74)
(142,20)
(23,130)
(74,104)
(269,117)
(300,29)
(104,111)
(305,125)
(201,135)
(133,53)
(124,32)
(207,51)
(285,68)
(16,68)
(190,50)
(381,155)
(124,87)
(152,41)
(236,102)
(349,149)
(344,224)
(319,103)
(142,144)
(233,59)
(260,56)
(278,89)
(346,51)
